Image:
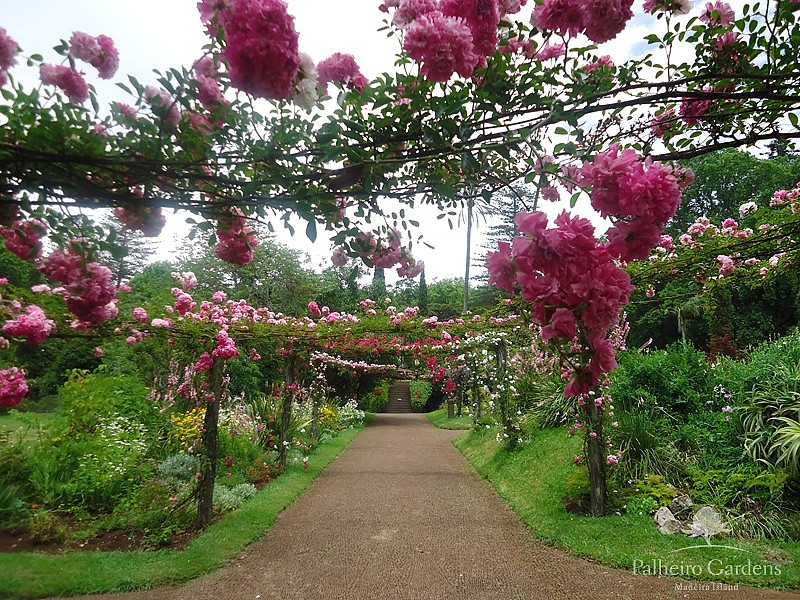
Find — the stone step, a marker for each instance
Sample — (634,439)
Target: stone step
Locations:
(399,398)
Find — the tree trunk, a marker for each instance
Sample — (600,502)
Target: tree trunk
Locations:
(205,487)
(469,256)
(596,457)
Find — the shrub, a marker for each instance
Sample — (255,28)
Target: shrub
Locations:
(545,397)
(350,415)
(676,379)
(13,506)
(645,448)
(642,505)
(230,498)
(180,466)
(420,393)
(378,398)
(45,526)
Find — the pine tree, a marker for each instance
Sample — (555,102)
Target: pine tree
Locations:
(504,208)
(422,298)
(378,288)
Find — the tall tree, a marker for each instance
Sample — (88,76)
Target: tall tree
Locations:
(129,254)
(422,297)
(378,288)
(504,207)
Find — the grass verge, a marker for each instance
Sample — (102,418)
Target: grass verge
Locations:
(37,575)
(531,480)
(439,418)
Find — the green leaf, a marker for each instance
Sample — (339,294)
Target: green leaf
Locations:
(311,231)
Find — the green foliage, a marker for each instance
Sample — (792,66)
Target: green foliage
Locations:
(725,180)
(676,379)
(376,399)
(738,485)
(87,398)
(13,506)
(647,495)
(227,498)
(642,505)
(420,393)
(180,466)
(544,400)
(645,448)
(576,486)
(46,526)
(532,480)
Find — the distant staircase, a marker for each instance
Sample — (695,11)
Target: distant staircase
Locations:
(399,398)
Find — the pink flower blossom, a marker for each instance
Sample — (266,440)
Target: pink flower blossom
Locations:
(409,10)
(33,325)
(187,279)
(340,69)
(612,460)
(140,314)
(254,355)
(339,257)
(313,308)
(147,219)
(163,105)
(184,303)
(693,109)
(13,387)
(219,296)
(719,13)
(98,352)
(502,271)
(126,110)
(563,324)
(24,238)
(97,51)
(67,79)
(727,265)
(599,63)
(88,287)
(203,363)
(482,17)
(549,51)
(567,17)
(606,18)
(443,45)
(8,51)
(226,347)
(261,47)
(235,240)
(662,123)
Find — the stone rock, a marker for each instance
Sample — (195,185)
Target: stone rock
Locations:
(667,523)
(663,515)
(706,523)
(671,527)
(681,504)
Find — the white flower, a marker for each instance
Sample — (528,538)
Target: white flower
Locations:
(747,208)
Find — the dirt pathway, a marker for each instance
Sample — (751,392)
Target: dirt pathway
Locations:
(401,514)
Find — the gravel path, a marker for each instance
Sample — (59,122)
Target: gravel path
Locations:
(401,514)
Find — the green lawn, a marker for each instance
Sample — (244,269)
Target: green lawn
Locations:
(25,424)
(439,418)
(36,575)
(531,479)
